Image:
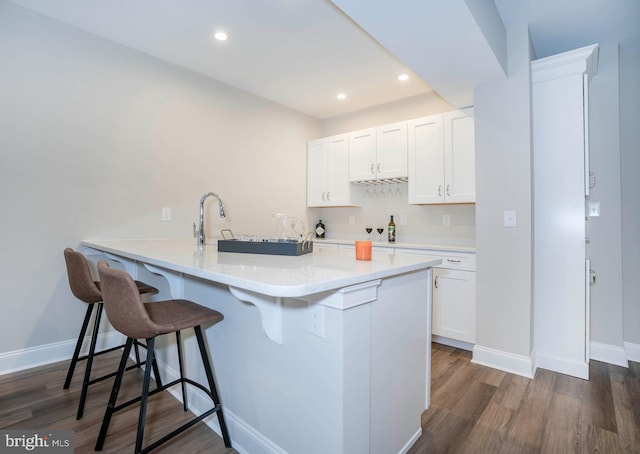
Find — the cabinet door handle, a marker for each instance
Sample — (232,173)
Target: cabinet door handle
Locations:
(435,282)
(448,190)
(378,167)
(440,191)
(328,196)
(323,196)
(372,173)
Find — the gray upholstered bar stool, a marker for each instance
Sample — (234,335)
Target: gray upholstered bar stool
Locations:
(88,291)
(136,320)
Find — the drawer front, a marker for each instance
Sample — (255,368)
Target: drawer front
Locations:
(450,260)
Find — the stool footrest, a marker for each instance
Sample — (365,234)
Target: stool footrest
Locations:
(180,429)
(165,387)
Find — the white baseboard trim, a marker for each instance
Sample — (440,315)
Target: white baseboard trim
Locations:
(633,351)
(508,362)
(42,355)
(411,442)
(563,366)
(244,438)
(610,354)
(452,342)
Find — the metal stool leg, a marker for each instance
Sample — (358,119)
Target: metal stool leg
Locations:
(144,397)
(156,371)
(181,367)
(114,396)
(76,352)
(212,386)
(87,370)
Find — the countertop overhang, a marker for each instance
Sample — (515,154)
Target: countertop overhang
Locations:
(272,275)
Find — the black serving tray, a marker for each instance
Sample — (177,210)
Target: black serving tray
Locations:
(266,247)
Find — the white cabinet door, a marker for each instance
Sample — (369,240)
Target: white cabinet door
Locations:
(362,155)
(327,172)
(316,172)
(391,149)
(338,185)
(459,157)
(454,294)
(454,310)
(442,163)
(426,160)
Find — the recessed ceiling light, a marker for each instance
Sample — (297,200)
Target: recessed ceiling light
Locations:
(341,96)
(221,36)
(403,77)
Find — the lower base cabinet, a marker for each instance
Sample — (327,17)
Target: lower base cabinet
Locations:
(454,304)
(454,291)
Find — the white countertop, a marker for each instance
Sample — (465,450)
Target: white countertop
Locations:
(273,275)
(405,245)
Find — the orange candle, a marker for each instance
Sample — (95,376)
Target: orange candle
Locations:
(363,250)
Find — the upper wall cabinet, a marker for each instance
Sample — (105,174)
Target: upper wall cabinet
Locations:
(328,172)
(442,158)
(378,153)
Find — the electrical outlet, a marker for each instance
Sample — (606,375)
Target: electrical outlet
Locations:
(446,220)
(316,319)
(166,213)
(352,220)
(403,219)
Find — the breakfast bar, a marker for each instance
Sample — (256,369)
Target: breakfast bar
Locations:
(317,353)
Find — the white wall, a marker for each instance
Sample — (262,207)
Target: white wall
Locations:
(630,187)
(605,232)
(424,223)
(503,182)
(97,138)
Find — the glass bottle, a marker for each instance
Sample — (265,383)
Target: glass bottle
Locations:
(391,231)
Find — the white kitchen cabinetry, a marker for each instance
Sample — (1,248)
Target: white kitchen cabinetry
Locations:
(454,296)
(560,179)
(441,153)
(328,173)
(378,153)
(454,314)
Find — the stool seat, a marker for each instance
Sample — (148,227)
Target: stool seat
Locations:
(89,291)
(131,317)
(176,315)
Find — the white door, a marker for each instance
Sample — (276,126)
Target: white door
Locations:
(362,155)
(391,150)
(316,173)
(454,309)
(459,157)
(426,160)
(338,184)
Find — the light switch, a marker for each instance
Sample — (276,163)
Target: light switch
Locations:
(510,219)
(166,213)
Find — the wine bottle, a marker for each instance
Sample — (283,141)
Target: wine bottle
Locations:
(391,230)
(320,230)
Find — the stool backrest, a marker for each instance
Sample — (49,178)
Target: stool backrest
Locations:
(80,280)
(124,305)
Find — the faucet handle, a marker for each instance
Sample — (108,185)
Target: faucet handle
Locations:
(195,231)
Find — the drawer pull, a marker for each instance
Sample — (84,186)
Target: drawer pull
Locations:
(454,261)
(435,282)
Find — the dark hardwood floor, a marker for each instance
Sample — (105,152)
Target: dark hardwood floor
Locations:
(474,409)
(34,399)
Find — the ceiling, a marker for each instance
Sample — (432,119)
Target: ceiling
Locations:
(302,53)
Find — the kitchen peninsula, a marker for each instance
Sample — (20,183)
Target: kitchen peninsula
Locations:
(317,353)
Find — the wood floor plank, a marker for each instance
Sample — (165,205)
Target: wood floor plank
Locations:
(600,409)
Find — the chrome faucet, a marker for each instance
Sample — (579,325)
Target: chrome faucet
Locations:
(199,234)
